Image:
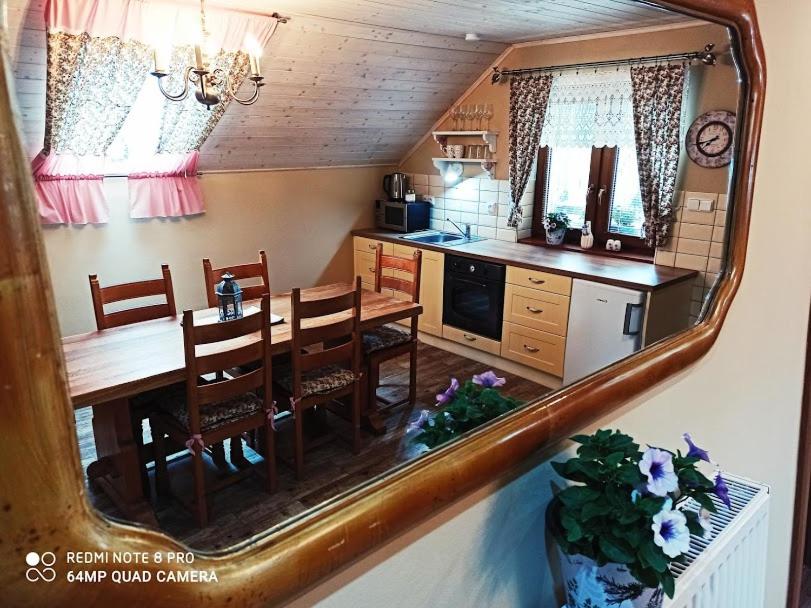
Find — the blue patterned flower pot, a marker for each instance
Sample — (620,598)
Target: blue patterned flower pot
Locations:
(555,237)
(588,585)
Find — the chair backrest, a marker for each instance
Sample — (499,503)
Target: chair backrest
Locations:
(129,291)
(244,341)
(413,267)
(256,270)
(339,335)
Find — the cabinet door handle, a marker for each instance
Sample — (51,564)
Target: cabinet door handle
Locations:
(603,191)
(469,338)
(536,281)
(534,311)
(371,246)
(531,349)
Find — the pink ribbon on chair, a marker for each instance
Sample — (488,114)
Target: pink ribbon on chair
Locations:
(271,414)
(293,404)
(198,439)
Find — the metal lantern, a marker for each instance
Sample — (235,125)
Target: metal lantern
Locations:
(229,298)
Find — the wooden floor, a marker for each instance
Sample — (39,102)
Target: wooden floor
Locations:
(244,509)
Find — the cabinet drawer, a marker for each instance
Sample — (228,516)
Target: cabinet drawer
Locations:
(472,340)
(365,267)
(533,348)
(403,251)
(369,245)
(536,309)
(536,279)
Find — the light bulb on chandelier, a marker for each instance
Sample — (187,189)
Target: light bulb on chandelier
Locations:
(211,85)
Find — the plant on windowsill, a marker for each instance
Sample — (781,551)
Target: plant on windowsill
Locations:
(555,225)
(465,408)
(619,529)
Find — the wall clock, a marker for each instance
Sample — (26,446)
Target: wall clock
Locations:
(710,139)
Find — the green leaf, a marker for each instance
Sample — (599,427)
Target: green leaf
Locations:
(614,552)
(613,459)
(704,501)
(573,530)
(651,505)
(629,474)
(577,496)
(668,583)
(653,556)
(581,439)
(594,509)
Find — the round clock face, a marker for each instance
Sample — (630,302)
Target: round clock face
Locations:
(710,139)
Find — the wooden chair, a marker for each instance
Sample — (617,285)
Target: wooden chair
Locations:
(319,377)
(130,291)
(140,406)
(212,277)
(389,341)
(209,412)
(257,270)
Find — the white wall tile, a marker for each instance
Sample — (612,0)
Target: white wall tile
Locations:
(507,234)
(701,232)
(435,180)
(488,232)
(487,196)
(420,179)
(488,185)
(691,262)
(487,220)
(716,250)
(665,258)
(437,191)
(503,185)
(693,247)
(504,198)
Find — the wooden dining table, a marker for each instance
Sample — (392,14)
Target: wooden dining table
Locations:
(106,368)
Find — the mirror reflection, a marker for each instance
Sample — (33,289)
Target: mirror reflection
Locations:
(514,204)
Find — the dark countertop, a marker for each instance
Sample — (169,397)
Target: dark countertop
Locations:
(601,269)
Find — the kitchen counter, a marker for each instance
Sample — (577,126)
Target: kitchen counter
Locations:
(601,269)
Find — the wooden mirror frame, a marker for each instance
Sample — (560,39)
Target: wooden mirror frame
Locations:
(42,495)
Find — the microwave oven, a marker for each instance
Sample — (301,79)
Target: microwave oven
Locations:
(403,217)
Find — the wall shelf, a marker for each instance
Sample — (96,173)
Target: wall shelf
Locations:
(488,164)
(488,137)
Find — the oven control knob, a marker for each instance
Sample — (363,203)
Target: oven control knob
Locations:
(472,268)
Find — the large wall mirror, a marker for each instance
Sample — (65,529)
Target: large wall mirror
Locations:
(597,163)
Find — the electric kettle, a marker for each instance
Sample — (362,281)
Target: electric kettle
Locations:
(395,186)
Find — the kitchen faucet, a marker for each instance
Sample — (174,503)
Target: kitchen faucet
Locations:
(465,233)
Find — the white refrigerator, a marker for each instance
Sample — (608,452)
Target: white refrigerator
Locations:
(605,325)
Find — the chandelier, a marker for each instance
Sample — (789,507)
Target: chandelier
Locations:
(210,86)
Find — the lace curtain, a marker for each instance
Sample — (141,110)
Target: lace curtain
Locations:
(591,108)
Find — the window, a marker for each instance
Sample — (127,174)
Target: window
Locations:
(587,166)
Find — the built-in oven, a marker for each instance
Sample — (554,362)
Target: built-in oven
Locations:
(474,296)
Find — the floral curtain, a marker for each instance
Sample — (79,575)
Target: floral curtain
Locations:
(92,83)
(658,93)
(529,98)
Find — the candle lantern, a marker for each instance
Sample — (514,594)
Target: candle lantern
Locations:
(229,298)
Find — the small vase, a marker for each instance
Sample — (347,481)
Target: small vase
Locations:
(555,237)
(587,584)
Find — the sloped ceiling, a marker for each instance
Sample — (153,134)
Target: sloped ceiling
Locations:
(351,82)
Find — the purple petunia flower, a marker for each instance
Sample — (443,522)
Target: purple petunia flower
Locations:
(657,465)
(722,490)
(670,531)
(419,423)
(489,380)
(695,451)
(446,397)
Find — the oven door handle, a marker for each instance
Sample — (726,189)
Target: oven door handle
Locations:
(457,280)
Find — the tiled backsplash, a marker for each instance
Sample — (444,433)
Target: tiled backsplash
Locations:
(697,243)
(482,202)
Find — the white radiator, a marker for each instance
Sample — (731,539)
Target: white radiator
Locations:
(728,570)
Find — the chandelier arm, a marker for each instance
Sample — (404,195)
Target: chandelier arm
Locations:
(176,96)
(257,84)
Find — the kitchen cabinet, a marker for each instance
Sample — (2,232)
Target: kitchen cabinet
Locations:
(433,268)
(536,319)
(481,343)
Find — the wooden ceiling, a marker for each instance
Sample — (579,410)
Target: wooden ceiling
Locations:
(351,82)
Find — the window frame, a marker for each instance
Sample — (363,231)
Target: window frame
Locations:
(602,172)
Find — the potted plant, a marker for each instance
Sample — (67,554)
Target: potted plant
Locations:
(464,408)
(556,224)
(623,523)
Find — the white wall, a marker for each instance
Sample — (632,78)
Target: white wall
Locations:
(742,401)
(302,219)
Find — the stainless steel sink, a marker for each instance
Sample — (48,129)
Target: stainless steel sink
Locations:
(439,238)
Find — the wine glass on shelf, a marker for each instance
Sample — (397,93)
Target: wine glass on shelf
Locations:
(456,114)
(470,115)
(480,111)
(488,115)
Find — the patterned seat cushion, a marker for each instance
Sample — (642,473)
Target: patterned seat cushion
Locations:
(213,415)
(317,381)
(384,337)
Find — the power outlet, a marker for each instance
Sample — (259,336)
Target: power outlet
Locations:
(705,204)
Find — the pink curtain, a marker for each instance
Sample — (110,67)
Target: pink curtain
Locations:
(66,194)
(172,189)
